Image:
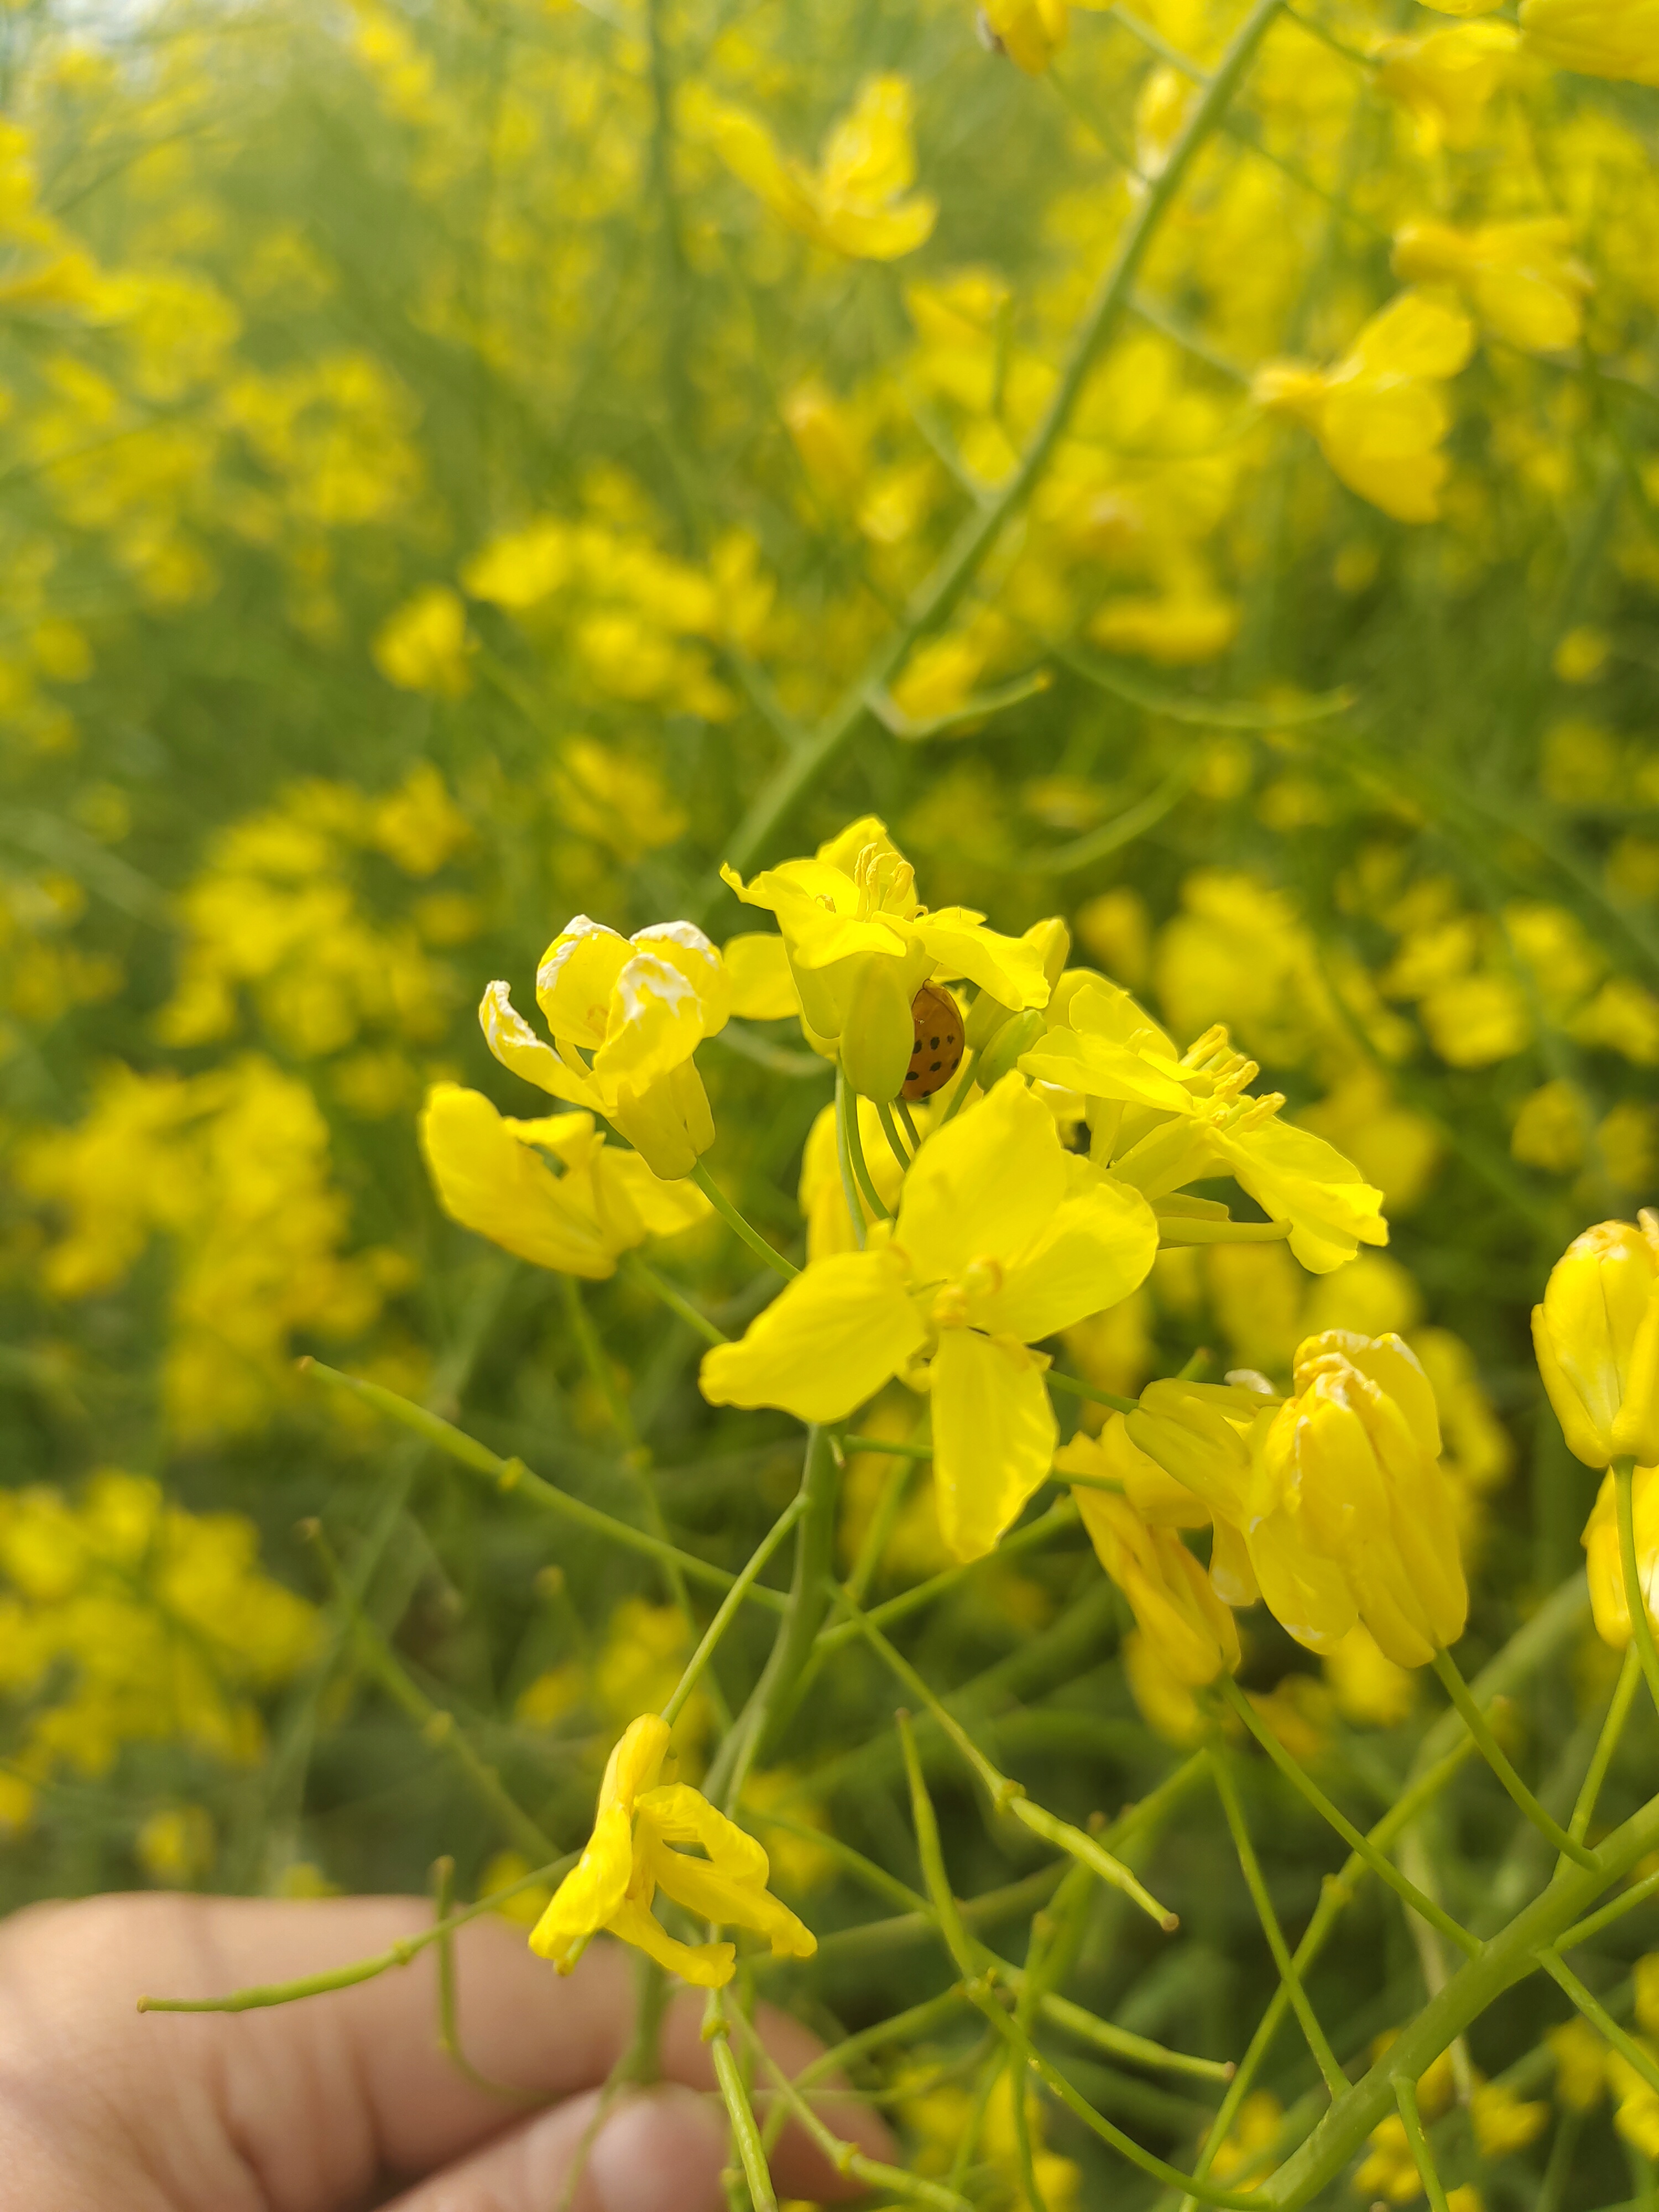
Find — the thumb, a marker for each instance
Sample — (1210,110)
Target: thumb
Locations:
(661,2150)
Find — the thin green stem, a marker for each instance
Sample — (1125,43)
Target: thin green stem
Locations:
(1492,1752)
(1007,1796)
(263,1994)
(849,1188)
(1623,1473)
(846,2157)
(1404,2093)
(674,1299)
(907,1122)
(980,1993)
(1378,1863)
(1057,1518)
(437,1725)
(745,2134)
(449,2026)
(728,1608)
(1598,2015)
(735,1221)
(884,1116)
(773,1696)
(980,530)
(1581,1930)
(1613,1728)
(847,1105)
(512,1475)
(1075,1388)
(1324,2057)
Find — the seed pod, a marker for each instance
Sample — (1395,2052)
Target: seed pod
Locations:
(938,1052)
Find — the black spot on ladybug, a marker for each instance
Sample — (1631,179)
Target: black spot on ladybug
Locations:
(938,1025)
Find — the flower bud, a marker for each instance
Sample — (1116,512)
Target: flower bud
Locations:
(1351,1515)
(1605,1563)
(1596,1336)
(1168,1590)
(877,1034)
(1017,1034)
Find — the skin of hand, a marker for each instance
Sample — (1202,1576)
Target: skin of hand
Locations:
(346,2100)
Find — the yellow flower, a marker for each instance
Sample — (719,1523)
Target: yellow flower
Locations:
(1160,1121)
(599,1200)
(860,946)
(630,1857)
(423,645)
(1519,277)
(1002,1238)
(1581,2064)
(1379,415)
(1596,1336)
(1030,32)
(853,202)
(1351,1516)
(1598,38)
(1180,1615)
(640,1005)
(1445,80)
(1604,1559)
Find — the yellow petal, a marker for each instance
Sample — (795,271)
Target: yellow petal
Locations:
(575,979)
(826,1343)
(993,1437)
(1306,1595)
(1298,1177)
(1099,1246)
(985,1185)
(684,945)
(1010,967)
(592,1892)
(490,1181)
(628,1193)
(1415,336)
(655,1024)
(708,1966)
(763,986)
(516,1045)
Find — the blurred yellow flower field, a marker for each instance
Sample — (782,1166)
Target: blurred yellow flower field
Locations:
(828,872)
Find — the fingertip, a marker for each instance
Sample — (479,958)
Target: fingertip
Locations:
(664,2149)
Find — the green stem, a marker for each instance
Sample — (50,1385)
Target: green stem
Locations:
(1495,1758)
(907,1122)
(1581,1930)
(1324,2057)
(939,595)
(674,1299)
(263,1994)
(735,1221)
(745,2134)
(847,1105)
(1598,2015)
(884,1116)
(1607,1743)
(1336,1894)
(449,2025)
(1378,1863)
(512,1474)
(436,1723)
(846,2157)
(804,1611)
(728,1608)
(1074,1388)
(1051,1523)
(1506,1959)
(849,1188)
(1641,1628)
(1404,2093)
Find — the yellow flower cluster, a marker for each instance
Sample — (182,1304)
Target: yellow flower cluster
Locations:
(232,1168)
(125,1619)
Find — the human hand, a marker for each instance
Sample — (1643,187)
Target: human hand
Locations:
(347,2099)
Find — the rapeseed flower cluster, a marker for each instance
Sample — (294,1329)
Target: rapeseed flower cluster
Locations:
(1176,481)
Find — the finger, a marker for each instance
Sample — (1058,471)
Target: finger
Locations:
(308,2106)
(662,2151)
(313,2104)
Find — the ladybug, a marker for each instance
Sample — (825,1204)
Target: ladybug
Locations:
(938,1051)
